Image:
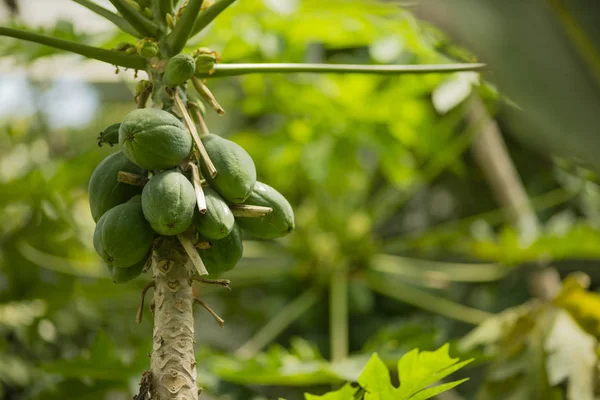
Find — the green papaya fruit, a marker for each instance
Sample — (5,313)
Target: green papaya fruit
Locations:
(178,70)
(122,236)
(110,135)
(137,199)
(122,275)
(218,220)
(224,254)
(236,173)
(104,191)
(154,139)
(168,201)
(277,223)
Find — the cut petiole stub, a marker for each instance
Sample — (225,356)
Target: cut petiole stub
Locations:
(192,253)
(192,128)
(200,200)
(207,95)
(249,211)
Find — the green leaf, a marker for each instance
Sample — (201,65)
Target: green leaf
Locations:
(182,31)
(375,377)
(221,70)
(142,24)
(571,357)
(108,56)
(417,371)
(119,21)
(347,392)
(208,15)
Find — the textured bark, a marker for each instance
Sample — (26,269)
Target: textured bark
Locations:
(173,364)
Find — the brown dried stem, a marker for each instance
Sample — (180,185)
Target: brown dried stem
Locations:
(140,310)
(220,282)
(192,128)
(192,253)
(203,245)
(219,320)
(131,179)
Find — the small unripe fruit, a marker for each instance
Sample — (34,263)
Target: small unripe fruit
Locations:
(147,47)
(178,70)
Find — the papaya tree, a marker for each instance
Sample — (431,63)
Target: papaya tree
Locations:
(175,197)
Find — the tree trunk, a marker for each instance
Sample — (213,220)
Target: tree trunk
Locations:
(173,365)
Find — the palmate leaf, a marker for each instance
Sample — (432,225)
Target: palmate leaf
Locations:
(417,372)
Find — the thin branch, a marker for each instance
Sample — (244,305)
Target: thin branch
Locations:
(140,310)
(219,320)
(284,318)
(248,211)
(219,282)
(221,70)
(208,15)
(108,56)
(192,128)
(142,24)
(181,33)
(116,19)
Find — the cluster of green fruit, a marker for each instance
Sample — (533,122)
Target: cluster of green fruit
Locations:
(157,149)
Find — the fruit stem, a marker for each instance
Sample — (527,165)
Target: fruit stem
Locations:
(192,128)
(131,179)
(173,365)
(248,211)
(143,97)
(207,95)
(203,245)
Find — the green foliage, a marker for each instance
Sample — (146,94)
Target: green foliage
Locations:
(376,169)
(417,371)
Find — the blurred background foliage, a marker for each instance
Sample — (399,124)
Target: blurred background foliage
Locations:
(401,242)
